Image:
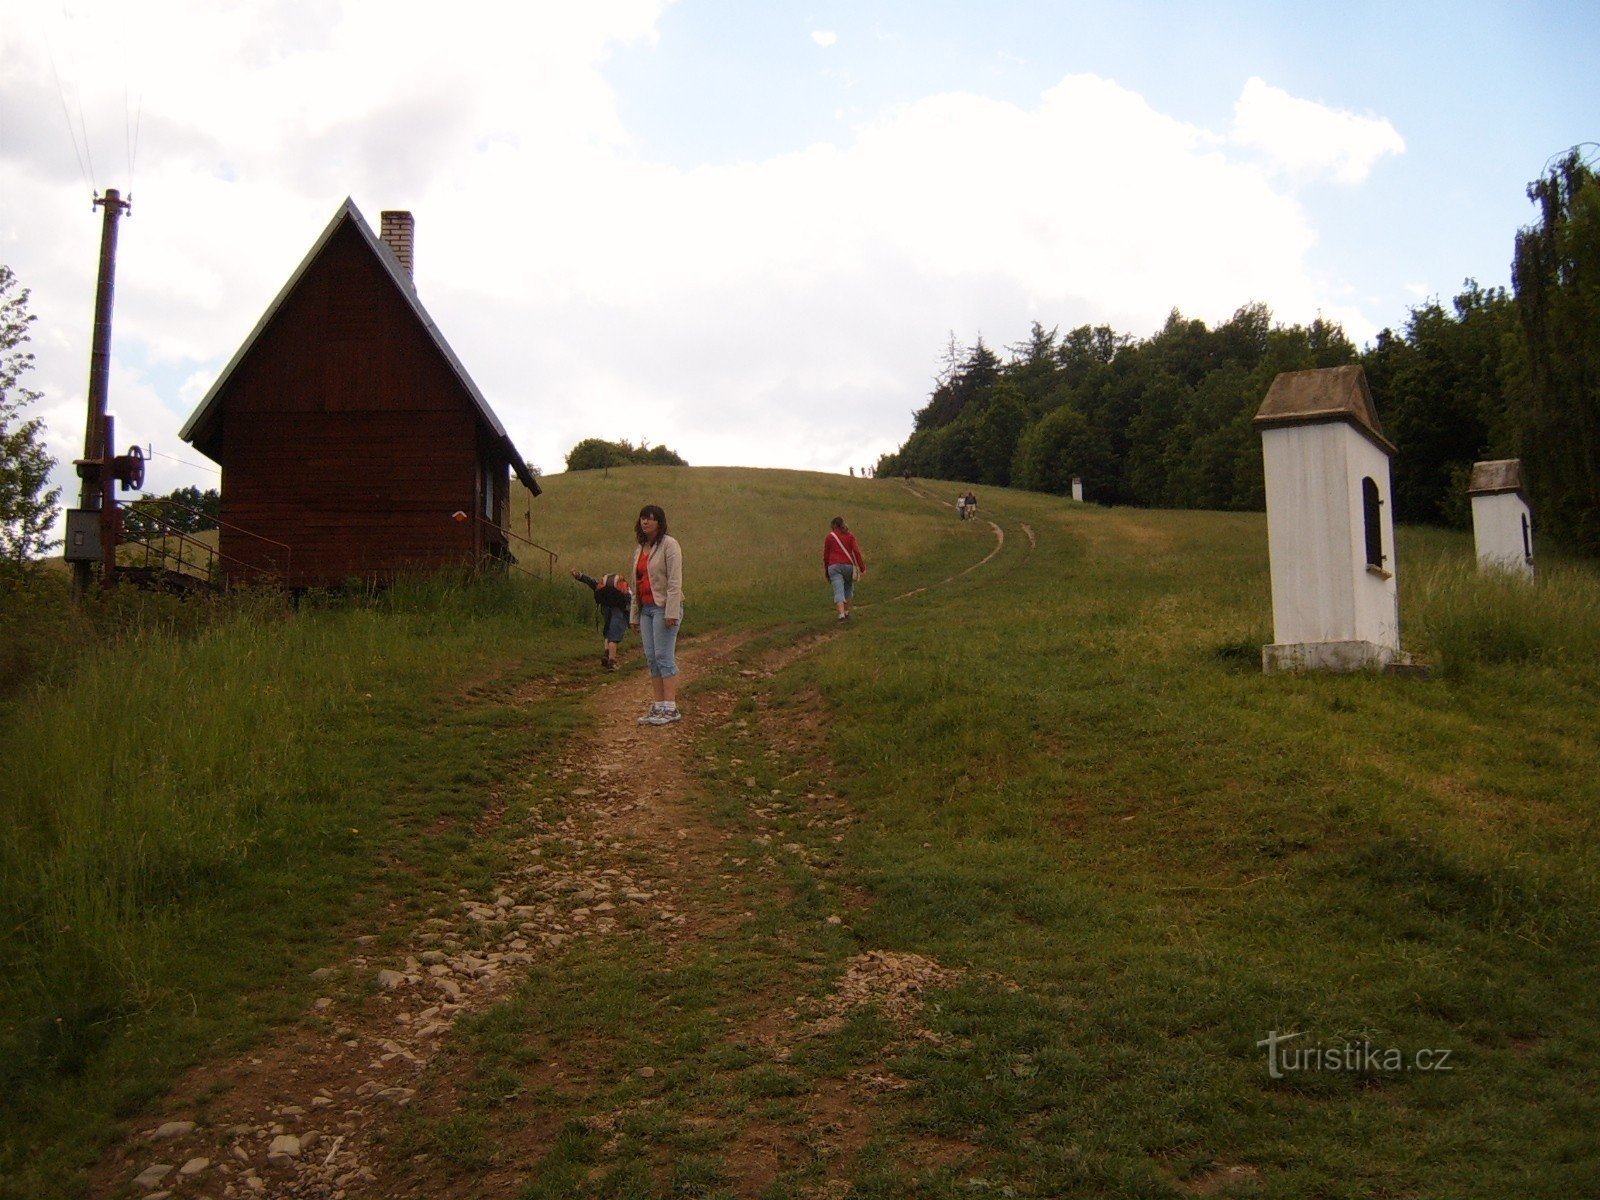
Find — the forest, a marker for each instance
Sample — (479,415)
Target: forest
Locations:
(1166,421)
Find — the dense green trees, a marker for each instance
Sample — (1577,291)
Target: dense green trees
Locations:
(27,506)
(1161,422)
(1555,391)
(593,454)
(1167,421)
(1440,396)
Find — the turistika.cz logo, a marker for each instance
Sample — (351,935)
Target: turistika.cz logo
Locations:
(1357,1058)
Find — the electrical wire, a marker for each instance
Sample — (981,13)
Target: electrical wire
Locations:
(130,127)
(61,91)
(133,148)
(197,466)
(1587,154)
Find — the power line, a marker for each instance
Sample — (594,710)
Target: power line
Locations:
(130,128)
(1587,154)
(61,91)
(133,147)
(197,466)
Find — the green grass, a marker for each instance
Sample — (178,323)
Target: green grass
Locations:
(1063,776)
(752,540)
(195,820)
(1070,775)
(1178,856)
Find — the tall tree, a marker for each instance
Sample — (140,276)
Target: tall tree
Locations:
(1556,276)
(27,506)
(959,387)
(1060,447)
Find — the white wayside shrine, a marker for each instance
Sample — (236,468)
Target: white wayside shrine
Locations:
(1502,522)
(1330,526)
(1077,489)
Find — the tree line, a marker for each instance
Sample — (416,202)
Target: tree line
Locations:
(594,454)
(1167,421)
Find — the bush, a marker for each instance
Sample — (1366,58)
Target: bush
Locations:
(593,454)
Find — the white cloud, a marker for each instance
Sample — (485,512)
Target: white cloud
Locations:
(782,312)
(824,37)
(1309,139)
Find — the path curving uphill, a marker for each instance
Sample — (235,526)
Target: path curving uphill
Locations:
(999,545)
(612,851)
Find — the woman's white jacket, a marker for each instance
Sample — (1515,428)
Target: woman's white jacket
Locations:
(666,578)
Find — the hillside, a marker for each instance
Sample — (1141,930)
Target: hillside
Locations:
(1026,882)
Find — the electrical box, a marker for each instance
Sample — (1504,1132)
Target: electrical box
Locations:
(83,535)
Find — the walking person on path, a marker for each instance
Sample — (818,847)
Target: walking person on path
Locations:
(842,562)
(656,610)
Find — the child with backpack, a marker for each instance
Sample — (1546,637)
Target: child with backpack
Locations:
(612,595)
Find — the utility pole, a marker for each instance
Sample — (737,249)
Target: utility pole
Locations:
(95,467)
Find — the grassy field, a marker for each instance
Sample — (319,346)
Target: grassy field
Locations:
(1198,931)
(202,798)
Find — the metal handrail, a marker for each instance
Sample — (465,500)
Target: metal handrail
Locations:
(550,555)
(206,573)
(213,553)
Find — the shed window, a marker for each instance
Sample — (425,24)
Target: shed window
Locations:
(1527,541)
(1371,511)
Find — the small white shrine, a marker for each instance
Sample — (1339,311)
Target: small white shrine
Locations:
(1330,524)
(1502,522)
(1077,489)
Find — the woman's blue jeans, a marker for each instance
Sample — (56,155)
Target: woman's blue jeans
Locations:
(843,578)
(659,639)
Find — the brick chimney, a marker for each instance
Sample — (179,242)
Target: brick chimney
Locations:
(396,230)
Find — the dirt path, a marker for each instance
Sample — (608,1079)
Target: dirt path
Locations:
(304,1117)
(611,847)
(999,545)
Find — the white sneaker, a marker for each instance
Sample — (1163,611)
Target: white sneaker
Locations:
(664,716)
(650,714)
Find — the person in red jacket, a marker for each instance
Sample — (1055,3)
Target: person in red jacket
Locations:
(842,562)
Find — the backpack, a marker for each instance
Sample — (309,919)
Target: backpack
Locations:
(612,592)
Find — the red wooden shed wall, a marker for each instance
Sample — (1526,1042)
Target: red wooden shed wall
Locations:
(346,435)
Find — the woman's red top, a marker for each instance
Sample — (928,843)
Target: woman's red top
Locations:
(848,552)
(641,574)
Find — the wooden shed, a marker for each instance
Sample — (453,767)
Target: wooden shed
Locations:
(348,433)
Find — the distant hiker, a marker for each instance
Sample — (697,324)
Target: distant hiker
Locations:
(657,610)
(961,505)
(612,595)
(841,563)
(967,505)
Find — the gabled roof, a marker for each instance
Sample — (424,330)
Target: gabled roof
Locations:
(1496,477)
(198,424)
(1320,396)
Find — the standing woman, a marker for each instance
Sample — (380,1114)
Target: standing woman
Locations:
(657,610)
(842,562)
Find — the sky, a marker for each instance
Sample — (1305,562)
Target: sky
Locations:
(749,229)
